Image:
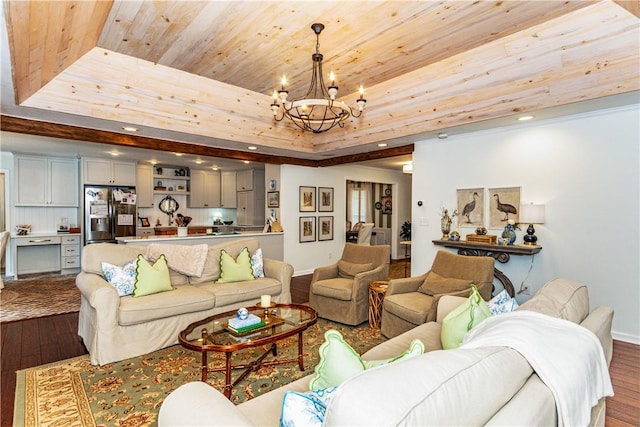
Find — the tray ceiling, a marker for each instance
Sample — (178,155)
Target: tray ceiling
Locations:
(203,72)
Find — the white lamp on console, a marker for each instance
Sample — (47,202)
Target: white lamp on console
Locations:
(531,214)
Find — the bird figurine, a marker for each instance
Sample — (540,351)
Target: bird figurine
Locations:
(505,208)
(469,207)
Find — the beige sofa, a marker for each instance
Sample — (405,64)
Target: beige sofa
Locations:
(115,328)
(441,387)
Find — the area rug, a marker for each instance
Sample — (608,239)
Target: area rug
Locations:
(40,296)
(129,393)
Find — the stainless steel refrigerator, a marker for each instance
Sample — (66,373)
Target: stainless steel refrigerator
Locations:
(110,212)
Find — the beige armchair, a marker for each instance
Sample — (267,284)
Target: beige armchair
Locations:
(412,301)
(340,292)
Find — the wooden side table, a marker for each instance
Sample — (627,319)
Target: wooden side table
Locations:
(377,289)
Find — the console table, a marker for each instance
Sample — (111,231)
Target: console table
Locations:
(500,253)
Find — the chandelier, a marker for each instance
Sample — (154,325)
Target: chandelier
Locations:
(317,111)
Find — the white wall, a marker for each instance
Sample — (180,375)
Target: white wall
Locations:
(584,168)
(306,256)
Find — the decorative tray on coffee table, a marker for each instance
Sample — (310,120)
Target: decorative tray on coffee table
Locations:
(269,321)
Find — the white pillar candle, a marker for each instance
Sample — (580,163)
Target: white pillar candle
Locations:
(265,300)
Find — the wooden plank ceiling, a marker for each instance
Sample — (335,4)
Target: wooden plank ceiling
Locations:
(209,68)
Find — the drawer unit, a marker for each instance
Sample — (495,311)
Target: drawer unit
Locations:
(144,231)
(70,253)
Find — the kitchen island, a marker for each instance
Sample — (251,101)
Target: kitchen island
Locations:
(272,244)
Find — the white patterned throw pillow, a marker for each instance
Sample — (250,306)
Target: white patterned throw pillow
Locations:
(257,263)
(502,303)
(122,278)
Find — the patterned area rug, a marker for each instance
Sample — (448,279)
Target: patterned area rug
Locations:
(129,393)
(39,296)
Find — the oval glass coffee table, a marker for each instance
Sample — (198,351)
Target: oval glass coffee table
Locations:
(213,335)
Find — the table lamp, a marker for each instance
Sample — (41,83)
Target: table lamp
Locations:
(532,214)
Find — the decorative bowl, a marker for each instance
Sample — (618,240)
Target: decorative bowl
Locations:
(227,222)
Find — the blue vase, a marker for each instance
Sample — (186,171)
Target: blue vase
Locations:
(509,234)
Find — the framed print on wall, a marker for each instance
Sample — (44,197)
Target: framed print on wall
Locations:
(307,199)
(325,228)
(273,199)
(307,229)
(470,207)
(504,204)
(325,199)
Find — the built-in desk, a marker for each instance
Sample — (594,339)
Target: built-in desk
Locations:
(46,252)
(500,253)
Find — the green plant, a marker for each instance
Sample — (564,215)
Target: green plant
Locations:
(405,230)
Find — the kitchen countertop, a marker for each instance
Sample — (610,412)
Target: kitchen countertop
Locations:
(173,238)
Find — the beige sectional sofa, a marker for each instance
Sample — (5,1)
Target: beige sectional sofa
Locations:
(482,386)
(115,328)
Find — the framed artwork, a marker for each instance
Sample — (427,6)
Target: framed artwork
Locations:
(504,204)
(307,199)
(325,228)
(144,222)
(470,207)
(387,206)
(307,229)
(273,199)
(325,199)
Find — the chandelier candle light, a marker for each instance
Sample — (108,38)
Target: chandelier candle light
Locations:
(317,111)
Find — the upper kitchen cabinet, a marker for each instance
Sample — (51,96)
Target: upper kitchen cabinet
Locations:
(43,181)
(109,172)
(249,179)
(205,189)
(228,189)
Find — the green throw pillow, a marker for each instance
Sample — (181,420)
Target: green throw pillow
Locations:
(462,319)
(235,270)
(339,361)
(151,279)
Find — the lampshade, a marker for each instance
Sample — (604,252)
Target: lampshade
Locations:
(532,214)
(407,168)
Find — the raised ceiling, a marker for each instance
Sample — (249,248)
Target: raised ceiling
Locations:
(203,72)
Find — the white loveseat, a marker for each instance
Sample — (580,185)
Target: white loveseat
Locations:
(115,328)
(484,386)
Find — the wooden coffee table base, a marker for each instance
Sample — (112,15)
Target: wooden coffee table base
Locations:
(248,368)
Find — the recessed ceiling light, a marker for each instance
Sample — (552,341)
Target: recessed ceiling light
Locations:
(179,154)
(246,162)
(443,135)
(252,147)
(130,129)
(382,144)
(215,168)
(154,162)
(114,153)
(525,118)
(198,162)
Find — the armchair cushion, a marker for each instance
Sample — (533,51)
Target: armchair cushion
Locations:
(412,306)
(348,270)
(338,288)
(435,284)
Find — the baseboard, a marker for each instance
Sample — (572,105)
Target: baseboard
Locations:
(619,336)
(302,272)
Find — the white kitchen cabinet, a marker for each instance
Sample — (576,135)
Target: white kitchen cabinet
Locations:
(144,186)
(250,179)
(42,181)
(109,172)
(205,189)
(250,208)
(228,197)
(69,254)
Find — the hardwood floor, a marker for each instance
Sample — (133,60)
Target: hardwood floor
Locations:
(34,342)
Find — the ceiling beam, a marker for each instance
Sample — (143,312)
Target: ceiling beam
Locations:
(75,133)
